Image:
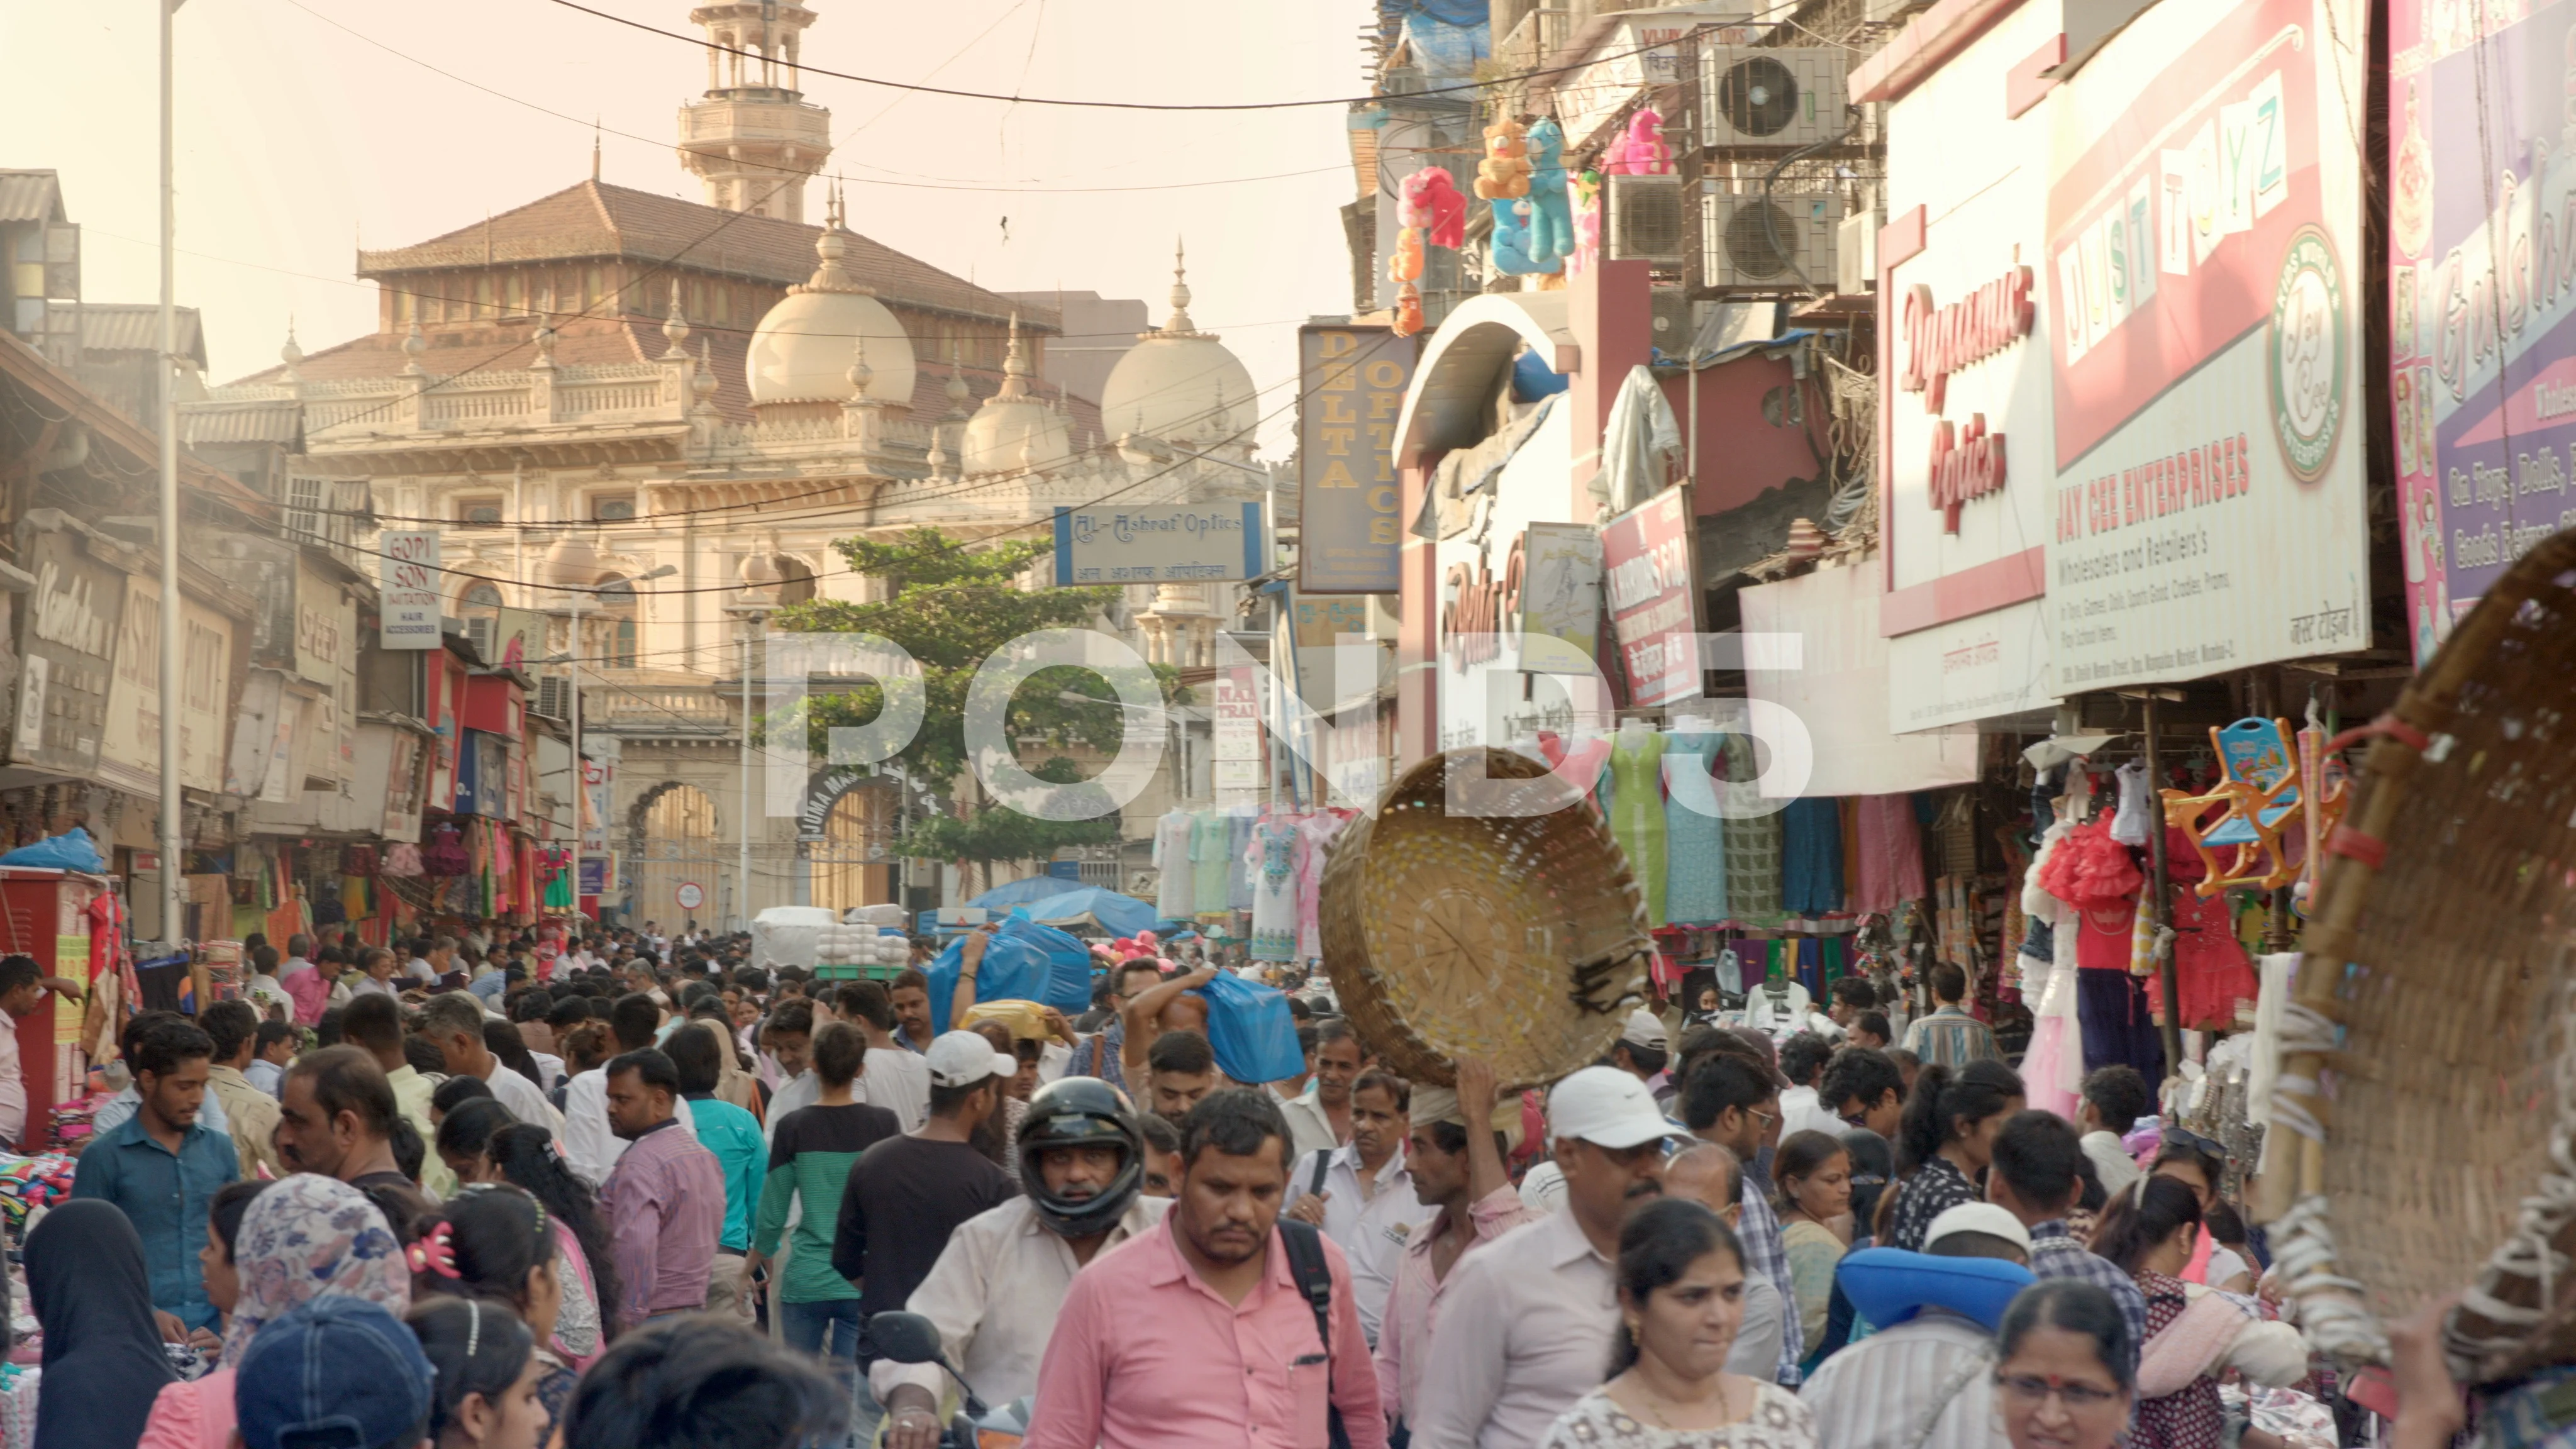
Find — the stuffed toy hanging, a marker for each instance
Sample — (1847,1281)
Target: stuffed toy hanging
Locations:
(1551,224)
(1404,264)
(1643,152)
(1505,171)
(1432,202)
(1587,222)
(1408,310)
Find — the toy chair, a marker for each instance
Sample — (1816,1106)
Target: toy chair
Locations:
(2257,799)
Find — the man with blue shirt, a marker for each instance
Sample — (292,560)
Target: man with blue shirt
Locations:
(163,1167)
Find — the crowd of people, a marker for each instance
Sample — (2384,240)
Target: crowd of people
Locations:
(640,1192)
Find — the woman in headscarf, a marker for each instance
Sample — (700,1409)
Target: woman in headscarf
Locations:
(302,1237)
(86,1282)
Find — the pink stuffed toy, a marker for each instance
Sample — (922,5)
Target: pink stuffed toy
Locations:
(1643,153)
(1433,202)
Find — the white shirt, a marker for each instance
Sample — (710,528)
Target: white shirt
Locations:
(1875,1394)
(419,969)
(1801,1112)
(589,1147)
(549,1067)
(1526,1324)
(13,1085)
(896,1080)
(1756,1351)
(801,1090)
(1543,1186)
(264,991)
(525,1099)
(995,1293)
(1309,1130)
(2111,1162)
(366,986)
(1370,1229)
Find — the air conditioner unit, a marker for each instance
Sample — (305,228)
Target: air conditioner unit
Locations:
(1643,216)
(1856,252)
(1784,240)
(554,697)
(1774,98)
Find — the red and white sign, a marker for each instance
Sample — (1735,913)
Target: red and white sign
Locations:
(1654,598)
(690,895)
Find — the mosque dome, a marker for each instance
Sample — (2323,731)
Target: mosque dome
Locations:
(1012,430)
(1179,382)
(809,344)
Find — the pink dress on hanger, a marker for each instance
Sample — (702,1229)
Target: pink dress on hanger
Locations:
(1315,836)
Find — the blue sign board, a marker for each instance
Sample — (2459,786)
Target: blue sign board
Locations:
(1351,383)
(1169,543)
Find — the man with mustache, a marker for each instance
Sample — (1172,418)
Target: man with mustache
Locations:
(1526,1322)
(1196,1333)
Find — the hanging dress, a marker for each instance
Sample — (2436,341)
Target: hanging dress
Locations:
(1811,856)
(1210,834)
(1172,892)
(1637,814)
(1315,836)
(1271,862)
(1752,846)
(1694,833)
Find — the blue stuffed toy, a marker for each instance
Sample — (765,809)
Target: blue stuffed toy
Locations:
(1510,245)
(1551,221)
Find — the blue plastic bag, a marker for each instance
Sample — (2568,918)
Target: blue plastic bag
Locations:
(1024,961)
(71,850)
(1252,1031)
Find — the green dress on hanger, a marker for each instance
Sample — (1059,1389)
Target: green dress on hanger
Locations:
(1637,813)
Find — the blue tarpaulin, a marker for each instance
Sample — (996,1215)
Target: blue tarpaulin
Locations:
(1022,892)
(1118,915)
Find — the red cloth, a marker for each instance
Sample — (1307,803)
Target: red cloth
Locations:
(2209,963)
(2089,868)
(1891,854)
(2102,936)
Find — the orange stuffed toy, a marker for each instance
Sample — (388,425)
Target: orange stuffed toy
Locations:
(1505,171)
(1408,311)
(1404,264)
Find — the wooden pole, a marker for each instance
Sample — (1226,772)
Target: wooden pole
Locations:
(2160,907)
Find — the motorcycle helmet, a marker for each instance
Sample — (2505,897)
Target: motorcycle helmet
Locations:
(1081,1112)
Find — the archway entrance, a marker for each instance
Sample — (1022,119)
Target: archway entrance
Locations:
(852,865)
(674,839)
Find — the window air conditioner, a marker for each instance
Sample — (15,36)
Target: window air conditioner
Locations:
(1773,98)
(1783,241)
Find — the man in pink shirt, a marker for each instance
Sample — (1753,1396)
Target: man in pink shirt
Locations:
(1456,1161)
(1194,1335)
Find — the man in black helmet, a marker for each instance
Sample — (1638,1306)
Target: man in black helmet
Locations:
(995,1290)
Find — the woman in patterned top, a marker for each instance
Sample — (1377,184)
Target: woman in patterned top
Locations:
(2148,1232)
(1947,1136)
(1681,1300)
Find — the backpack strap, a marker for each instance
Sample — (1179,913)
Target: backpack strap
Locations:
(1323,1166)
(1314,1278)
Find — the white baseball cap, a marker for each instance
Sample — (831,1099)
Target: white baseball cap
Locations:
(963,1058)
(1978,1217)
(1644,1029)
(1607,1108)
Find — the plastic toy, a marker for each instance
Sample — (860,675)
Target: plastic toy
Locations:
(1551,224)
(1505,171)
(2255,801)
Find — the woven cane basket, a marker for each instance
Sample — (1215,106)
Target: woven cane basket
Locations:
(1517,937)
(2420,1132)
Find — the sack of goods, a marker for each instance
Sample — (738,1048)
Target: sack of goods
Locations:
(861,946)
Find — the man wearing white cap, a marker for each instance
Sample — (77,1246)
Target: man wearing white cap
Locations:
(907,1194)
(1642,1051)
(1526,1324)
(1935,1368)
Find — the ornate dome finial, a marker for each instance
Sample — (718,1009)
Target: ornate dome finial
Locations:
(860,373)
(702,387)
(1180,321)
(956,390)
(676,327)
(1015,366)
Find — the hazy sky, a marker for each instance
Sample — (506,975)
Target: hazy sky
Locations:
(298,140)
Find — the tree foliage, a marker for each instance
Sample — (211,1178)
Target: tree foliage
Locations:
(952,607)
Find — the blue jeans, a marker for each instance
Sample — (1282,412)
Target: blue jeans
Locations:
(831,1328)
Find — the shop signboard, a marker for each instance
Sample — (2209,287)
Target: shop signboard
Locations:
(130,751)
(68,648)
(409,577)
(1158,543)
(1558,611)
(2203,265)
(1964,392)
(2484,384)
(1235,724)
(1351,383)
(1653,586)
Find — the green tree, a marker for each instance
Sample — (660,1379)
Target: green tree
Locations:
(952,607)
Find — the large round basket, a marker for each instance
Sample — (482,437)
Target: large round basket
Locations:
(1496,919)
(2420,1126)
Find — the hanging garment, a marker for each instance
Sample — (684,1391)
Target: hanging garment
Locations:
(2129,823)
(1271,864)
(1172,893)
(1890,852)
(2210,966)
(1694,833)
(1637,814)
(2053,1067)
(1580,759)
(1641,435)
(1211,831)
(1315,836)
(2118,1027)
(1811,856)
(2103,936)
(1752,846)
(1238,874)
(2090,868)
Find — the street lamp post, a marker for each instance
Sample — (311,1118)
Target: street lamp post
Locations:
(170,672)
(752,616)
